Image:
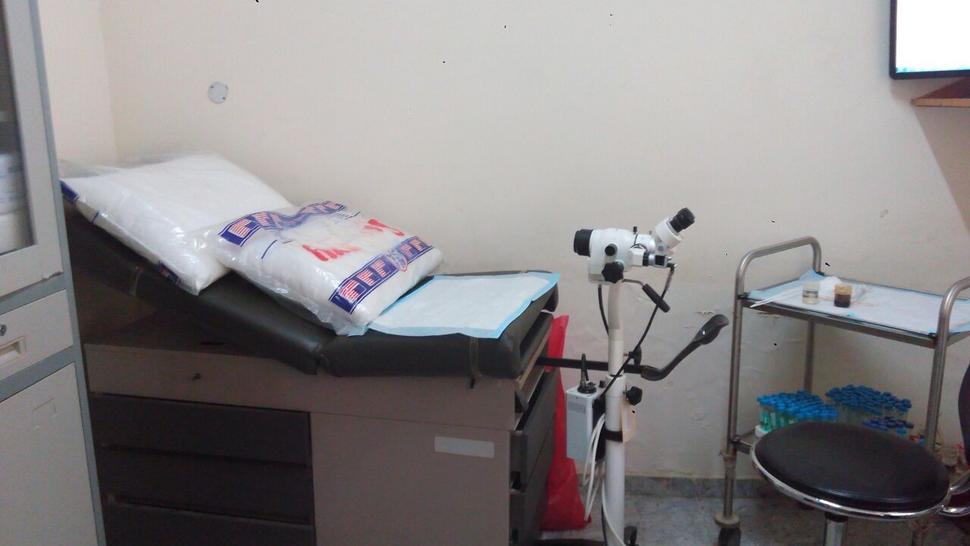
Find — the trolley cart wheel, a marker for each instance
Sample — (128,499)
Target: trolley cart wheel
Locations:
(630,535)
(729,536)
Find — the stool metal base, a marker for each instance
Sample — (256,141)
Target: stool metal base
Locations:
(834,530)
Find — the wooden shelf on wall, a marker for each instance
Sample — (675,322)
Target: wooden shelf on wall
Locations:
(955,95)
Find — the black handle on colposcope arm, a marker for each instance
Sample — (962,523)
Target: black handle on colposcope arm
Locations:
(656,298)
(705,335)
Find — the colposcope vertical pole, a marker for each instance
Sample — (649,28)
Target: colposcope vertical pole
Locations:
(615,449)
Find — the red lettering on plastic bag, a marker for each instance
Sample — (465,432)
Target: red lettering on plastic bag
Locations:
(377,225)
(327,254)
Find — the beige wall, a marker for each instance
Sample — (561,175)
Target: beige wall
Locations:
(80,96)
(77,78)
(496,129)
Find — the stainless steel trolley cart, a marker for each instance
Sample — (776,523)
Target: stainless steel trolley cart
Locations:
(727,520)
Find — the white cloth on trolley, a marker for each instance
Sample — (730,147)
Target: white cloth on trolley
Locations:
(900,308)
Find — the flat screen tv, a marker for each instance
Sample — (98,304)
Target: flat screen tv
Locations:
(929,39)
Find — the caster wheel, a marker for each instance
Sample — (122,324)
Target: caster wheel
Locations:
(630,536)
(729,537)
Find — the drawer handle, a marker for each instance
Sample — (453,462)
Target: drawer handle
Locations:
(12,351)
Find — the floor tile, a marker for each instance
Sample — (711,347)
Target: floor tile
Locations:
(769,521)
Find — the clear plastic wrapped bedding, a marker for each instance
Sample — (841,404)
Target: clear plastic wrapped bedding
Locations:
(158,209)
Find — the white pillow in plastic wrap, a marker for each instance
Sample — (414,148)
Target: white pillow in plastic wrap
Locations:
(343,266)
(160,210)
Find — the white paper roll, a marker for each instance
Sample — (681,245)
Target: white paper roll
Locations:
(10,162)
(14,230)
(12,192)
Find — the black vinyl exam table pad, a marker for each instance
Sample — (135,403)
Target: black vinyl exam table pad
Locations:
(239,312)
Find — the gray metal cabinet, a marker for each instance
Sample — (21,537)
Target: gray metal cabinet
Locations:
(29,246)
(46,497)
(48,487)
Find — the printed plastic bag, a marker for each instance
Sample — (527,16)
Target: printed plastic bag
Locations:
(342,266)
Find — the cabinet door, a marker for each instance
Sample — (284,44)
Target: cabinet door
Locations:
(29,250)
(45,492)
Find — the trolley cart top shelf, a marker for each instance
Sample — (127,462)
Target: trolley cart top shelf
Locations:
(888,325)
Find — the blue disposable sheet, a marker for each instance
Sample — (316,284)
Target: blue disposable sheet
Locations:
(480,306)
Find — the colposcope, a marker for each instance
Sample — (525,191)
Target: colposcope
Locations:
(605,420)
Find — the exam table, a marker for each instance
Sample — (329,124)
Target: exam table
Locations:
(224,418)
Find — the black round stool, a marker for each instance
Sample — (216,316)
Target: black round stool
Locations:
(852,471)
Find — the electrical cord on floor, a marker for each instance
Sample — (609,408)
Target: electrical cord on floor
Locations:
(608,527)
(589,467)
(589,480)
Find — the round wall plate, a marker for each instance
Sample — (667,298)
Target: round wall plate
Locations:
(218,92)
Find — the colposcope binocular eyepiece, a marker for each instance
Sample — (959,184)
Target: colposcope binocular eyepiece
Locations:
(581,242)
(682,220)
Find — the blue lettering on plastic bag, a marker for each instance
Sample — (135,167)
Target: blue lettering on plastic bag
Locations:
(355,288)
(239,231)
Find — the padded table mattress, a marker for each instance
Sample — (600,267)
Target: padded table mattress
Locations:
(237,311)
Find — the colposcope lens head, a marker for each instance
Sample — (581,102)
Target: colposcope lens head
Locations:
(682,220)
(581,242)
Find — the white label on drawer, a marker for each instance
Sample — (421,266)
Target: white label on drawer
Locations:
(461,446)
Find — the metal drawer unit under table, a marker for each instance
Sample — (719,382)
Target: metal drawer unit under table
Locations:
(727,520)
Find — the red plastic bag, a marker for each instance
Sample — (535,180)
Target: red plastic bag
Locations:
(564,509)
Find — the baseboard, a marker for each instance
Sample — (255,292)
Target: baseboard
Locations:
(695,487)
